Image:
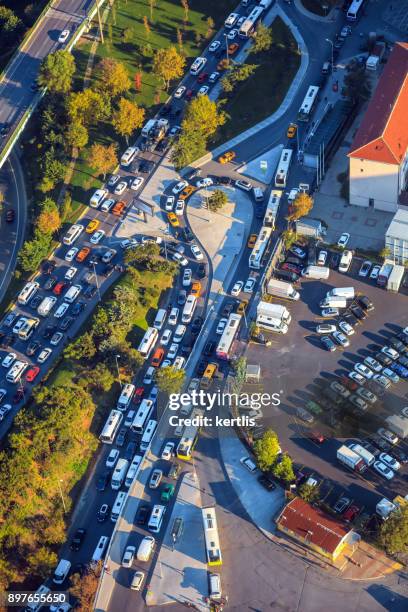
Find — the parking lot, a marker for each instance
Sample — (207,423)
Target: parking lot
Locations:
(298,366)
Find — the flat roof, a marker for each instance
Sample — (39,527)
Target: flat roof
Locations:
(398,227)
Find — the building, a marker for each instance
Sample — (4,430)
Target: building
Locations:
(378,158)
(314,529)
(396,237)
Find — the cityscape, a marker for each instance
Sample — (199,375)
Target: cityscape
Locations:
(203,325)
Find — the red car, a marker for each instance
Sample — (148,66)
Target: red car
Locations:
(189,94)
(316,436)
(351,513)
(59,287)
(202,77)
(138,395)
(32,374)
(291,268)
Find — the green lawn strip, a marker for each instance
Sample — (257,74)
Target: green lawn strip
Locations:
(319,7)
(263,92)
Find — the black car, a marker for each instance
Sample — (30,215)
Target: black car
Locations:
(209,348)
(66,323)
(181,298)
(396,344)
(165,110)
(162,145)
(365,303)
(103,480)
(403,337)
(36,301)
(294,260)
(225,180)
(103,513)
(50,283)
(33,347)
(196,325)
(202,270)
(130,451)
(370,447)
(108,269)
(399,455)
(187,234)
(90,291)
(266,482)
(77,540)
(403,360)
(143,514)
(9,319)
(286,275)
(350,319)
(48,266)
(228,308)
(121,437)
(383,445)
(49,331)
(328,343)
(201,368)
(383,359)
(77,308)
(334,260)
(357,311)
(191,174)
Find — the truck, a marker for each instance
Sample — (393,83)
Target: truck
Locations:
(395,278)
(272,324)
(155,129)
(385,273)
(316,272)
(310,227)
(345,292)
(398,425)
(277,311)
(147,129)
(282,289)
(350,459)
(366,456)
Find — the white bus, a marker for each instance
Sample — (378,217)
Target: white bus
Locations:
(308,103)
(255,258)
(250,22)
(156,518)
(125,397)
(354,9)
(282,170)
(133,470)
(272,208)
(111,427)
(189,308)
(189,437)
(15,372)
(142,416)
(99,550)
(212,541)
(198,65)
(228,336)
(73,233)
(28,328)
(148,435)
(148,342)
(118,505)
(27,293)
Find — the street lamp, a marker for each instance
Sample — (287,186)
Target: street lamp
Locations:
(332,52)
(226,46)
(62,496)
(96,280)
(117,368)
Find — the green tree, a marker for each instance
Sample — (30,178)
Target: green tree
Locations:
(77,135)
(128,35)
(34,251)
(217,200)
(266,449)
(10,27)
(237,74)
(202,113)
(170,380)
(53,171)
(127,118)
(284,469)
(168,64)
(88,106)
(301,207)
(384,253)
(56,72)
(356,84)
(42,561)
(103,158)
(48,220)
(210,27)
(81,348)
(144,255)
(394,532)
(262,39)
(309,493)
(98,378)
(66,206)
(114,77)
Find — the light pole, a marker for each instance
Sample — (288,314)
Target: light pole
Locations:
(97,282)
(332,53)
(117,368)
(226,46)
(62,496)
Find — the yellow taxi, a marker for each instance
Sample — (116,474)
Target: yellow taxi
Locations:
(92,226)
(173,220)
(292,129)
(186,192)
(242,307)
(196,289)
(233,48)
(251,241)
(227,157)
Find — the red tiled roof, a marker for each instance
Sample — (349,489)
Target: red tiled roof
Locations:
(310,523)
(383,133)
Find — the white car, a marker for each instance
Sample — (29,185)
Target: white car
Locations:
(375,272)
(179,363)
(112,458)
(321,260)
(203,91)
(387,435)
(165,339)
(232,34)
(63,37)
(8,360)
(129,243)
(44,354)
(179,334)
(248,464)
(56,338)
(389,461)
(129,555)
(107,205)
(249,285)
(61,310)
(137,581)
(205,182)
(113,180)
(108,256)
(237,288)
(373,364)
(70,255)
(137,183)
(121,187)
(179,208)
(4,410)
(383,470)
(364,370)
(196,252)
(187,276)
(245,185)
(155,479)
(214,76)
(326,328)
(173,350)
(343,240)
(346,328)
(70,273)
(214,46)
(365,268)
(180,91)
(390,352)
(329,313)
(382,380)
(221,326)
(357,377)
(169,204)
(148,377)
(168,451)
(341,339)
(166,363)
(173,316)
(178,187)
(97,198)
(97,236)
(179,258)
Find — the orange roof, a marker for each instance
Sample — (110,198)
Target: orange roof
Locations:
(383,133)
(312,524)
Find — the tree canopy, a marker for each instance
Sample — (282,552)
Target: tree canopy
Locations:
(114,77)
(127,117)
(103,158)
(56,72)
(266,449)
(168,64)
(170,380)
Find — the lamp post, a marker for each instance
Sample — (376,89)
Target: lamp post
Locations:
(62,496)
(332,52)
(97,282)
(117,368)
(226,46)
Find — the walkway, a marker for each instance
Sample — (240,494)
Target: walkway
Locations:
(323,19)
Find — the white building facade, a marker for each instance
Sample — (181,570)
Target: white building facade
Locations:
(396,238)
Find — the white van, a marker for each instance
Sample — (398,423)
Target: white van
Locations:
(119,473)
(345,261)
(345,292)
(333,302)
(133,470)
(148,377)
(72,293)
(37,604)
(160,318)
(16,371)
(97,197)
(61,571)
(146,547)
(100,550)
(128,156)
(258,194)
(215,585)
(326,67)
(118,505)
(316,272)
(125,397)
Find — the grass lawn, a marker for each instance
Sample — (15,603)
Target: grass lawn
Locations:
(261,94)
(168,17)
(319,7)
